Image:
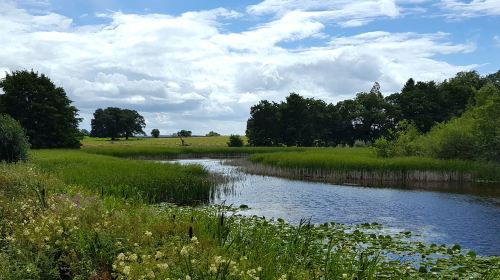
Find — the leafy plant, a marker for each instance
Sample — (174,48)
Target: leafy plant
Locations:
(13,141)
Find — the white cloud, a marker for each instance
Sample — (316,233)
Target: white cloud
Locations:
(346,13)
(475,8)
(187,72)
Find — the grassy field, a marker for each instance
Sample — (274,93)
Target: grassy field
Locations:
(365,159)
(162,148)
(67,232)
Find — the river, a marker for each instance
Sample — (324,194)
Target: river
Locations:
(436,217)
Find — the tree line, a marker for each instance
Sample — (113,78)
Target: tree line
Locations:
(300,121)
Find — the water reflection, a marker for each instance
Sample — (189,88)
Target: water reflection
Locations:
(439,217)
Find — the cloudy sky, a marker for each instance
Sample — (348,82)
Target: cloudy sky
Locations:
(200,65)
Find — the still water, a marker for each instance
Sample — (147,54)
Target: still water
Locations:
(468,220)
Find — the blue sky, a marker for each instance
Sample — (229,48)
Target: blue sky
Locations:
(200,65)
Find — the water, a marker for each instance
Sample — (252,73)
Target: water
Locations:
(468,220)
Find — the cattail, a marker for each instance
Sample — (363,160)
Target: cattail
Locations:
(190,232)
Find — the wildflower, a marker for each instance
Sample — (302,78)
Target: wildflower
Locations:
(213,268)
(150,274)
(188,277)
(158,255)
(184,251)
(126,270)
(259,269)
(194,240)
(148,233)
(243,258)
(132,257)
(121,257)
(344,275)
(162,266)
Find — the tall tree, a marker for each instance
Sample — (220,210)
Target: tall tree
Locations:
(115,122)
(263,124)
(43,110)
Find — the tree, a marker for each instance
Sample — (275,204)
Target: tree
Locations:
(263,126)
(184,133)
(115,122)
(235,141)
(155,133)
(13,141)
(84,132)
(42,109)
(212,134)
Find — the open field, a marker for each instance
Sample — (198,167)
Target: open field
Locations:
(68,233)
(164,148)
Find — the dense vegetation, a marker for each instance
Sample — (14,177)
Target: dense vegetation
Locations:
(13,142)
(115,122)
(300,121)
(43,110)
(475,135)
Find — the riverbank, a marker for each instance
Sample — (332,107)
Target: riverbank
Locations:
(362,166)
(52,229)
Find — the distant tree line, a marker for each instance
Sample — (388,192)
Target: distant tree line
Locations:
(300,121)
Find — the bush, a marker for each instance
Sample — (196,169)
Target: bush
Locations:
(13,141)
(235,141)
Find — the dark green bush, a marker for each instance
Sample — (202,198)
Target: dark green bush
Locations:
(13,141)
(235,141)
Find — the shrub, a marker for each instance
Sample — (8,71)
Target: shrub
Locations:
(13,141)
(235,141)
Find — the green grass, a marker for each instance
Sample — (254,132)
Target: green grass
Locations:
(162,148)
(365,159)
(72,235)
(144,180)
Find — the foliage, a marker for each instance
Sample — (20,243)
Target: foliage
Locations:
(155,133)
(403,141)
(184,133)
(77,236)
(300,121)
(115,122)
(212,134)
(472,136)
(13,141)
(43,110)
(235,141)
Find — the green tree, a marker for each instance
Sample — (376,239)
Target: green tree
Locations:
(155,133)
(263,124)
(212,134)
(13,141)
(43,110)
(184,133)
(115,122)
(235,141)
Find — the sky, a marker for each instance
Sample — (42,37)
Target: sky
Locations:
(201,65)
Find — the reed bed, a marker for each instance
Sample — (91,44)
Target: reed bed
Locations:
(146,181)
(340,164)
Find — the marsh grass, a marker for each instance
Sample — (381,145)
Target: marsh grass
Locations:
(332,161)
(146,181)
